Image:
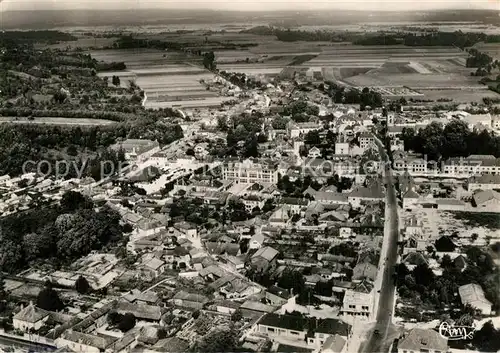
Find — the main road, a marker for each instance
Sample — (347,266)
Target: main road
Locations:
(384,332)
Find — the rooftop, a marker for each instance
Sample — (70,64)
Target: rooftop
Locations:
(418,339)
(470,293)
(31,314)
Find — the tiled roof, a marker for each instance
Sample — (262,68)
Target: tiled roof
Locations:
(484,196)
(266,253)
(418,339)
(31,314)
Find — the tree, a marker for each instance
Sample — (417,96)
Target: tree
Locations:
(237,315)
(48,299)
(455,136)
(487,339)
(127,322)
(116,80)
(82,286)
(444,244)
(218,340)
(209,60)
(72,200)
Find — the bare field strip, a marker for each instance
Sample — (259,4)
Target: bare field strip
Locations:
(459,96)
(57,121)
(414,80)
(198,103)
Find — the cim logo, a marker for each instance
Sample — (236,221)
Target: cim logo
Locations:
(454,333)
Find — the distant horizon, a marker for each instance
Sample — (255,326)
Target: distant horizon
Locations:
(242,10)
(255,6)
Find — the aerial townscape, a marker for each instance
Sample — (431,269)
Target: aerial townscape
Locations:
(267,181)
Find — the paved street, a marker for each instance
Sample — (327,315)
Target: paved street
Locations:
(386,331)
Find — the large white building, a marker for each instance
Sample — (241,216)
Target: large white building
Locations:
(251,172)
(30,318)
(473,295)
(472,165)
(300,129)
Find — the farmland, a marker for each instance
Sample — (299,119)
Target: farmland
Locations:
(56,121)
(168,79)
(424,71)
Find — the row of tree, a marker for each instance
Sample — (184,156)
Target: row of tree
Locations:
(56,234)
(453,140)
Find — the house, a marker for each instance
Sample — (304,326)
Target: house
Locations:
(356,303)
(342,148)
(372,193)
(294,204)
(286,326)
(473,295)
(298,328)
(253,201)
(264,258)
(251,308)
(140,311)
(410,199)
(423,341)
(450,204)
(330,198)
(256,241)
(488,200)
(153,268)
(325,328)
(186,229)
(364,270)
(227,306)
(30,318)
(136,149)
(299,129)
(314,152)
(484,182)
(84,342)
(413,259)
(189,300)
(277,296)
(334,344)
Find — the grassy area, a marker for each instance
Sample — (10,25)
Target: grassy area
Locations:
(476,219)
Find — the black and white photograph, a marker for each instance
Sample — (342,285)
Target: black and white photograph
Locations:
(215,176)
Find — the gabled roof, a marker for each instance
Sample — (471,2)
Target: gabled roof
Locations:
(267,253)
(280,292)
(182,295)
(258,237)
(411,195)
(31,314)
(87,339)
(415,258)
(418,339)
(334,343)
(485,196)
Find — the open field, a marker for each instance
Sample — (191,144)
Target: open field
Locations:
(83,42)
(460,95)
(166,79)
(56,121)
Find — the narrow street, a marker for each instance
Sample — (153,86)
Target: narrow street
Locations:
(384,331)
